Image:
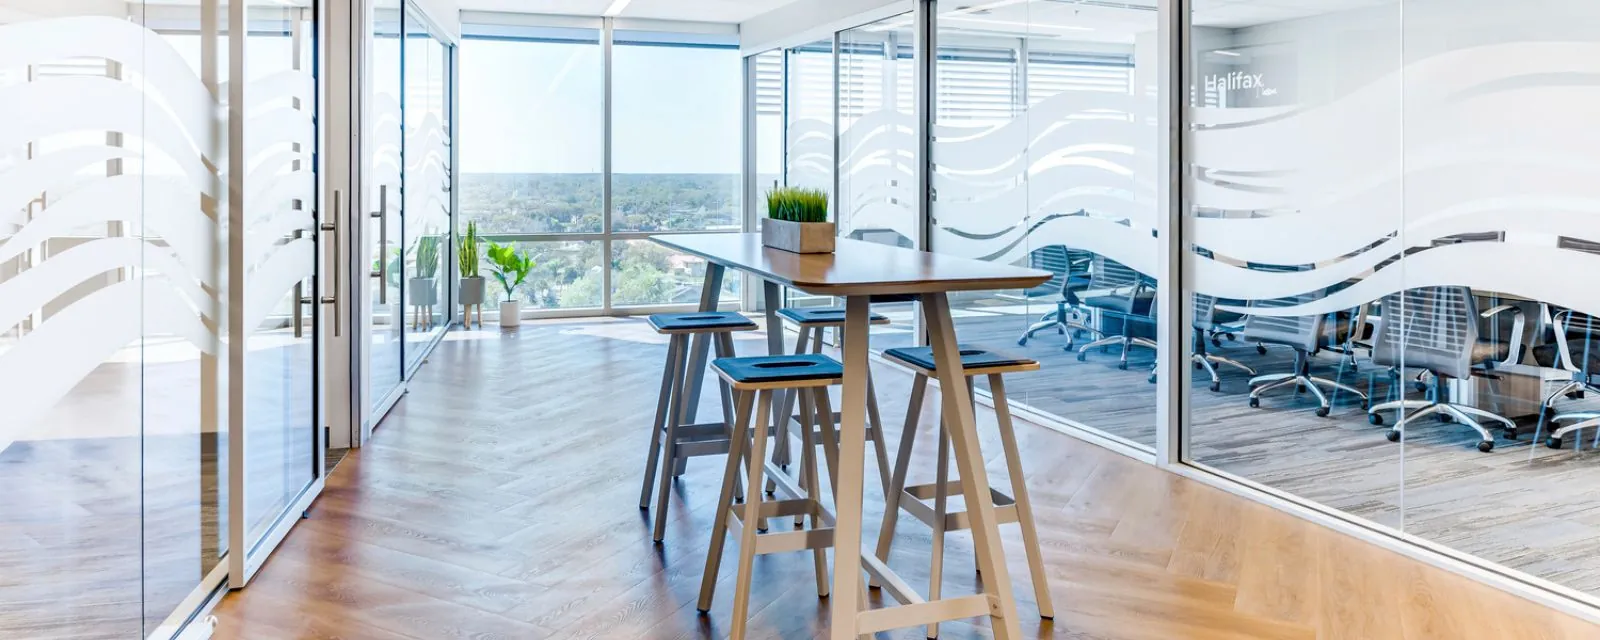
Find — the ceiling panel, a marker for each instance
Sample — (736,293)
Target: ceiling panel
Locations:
(695,10)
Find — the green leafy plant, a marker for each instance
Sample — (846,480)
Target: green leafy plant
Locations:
(509,266)
(797,204)
(467,254)
(427,256)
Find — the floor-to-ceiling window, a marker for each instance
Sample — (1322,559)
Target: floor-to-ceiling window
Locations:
(537,171)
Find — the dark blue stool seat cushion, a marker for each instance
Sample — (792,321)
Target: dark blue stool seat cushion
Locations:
(823,315)
(971,357)
(758,369)
(701,321)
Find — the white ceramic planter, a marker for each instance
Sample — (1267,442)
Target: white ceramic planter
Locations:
(510,314)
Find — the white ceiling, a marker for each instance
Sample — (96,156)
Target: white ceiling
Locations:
(1234,14)
(693,10)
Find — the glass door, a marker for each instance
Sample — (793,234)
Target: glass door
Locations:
(384,173)
(425,225)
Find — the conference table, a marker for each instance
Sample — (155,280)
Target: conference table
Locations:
(858,271)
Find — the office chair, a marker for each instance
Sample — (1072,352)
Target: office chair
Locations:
(1306,335)
(1436,329)
(1208,322)
(1123,294)
(1069,274)
(1575,348)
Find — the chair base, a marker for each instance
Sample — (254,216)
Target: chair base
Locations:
(1064,326)
(1127,342)
(1209,362)
(1314,384)
(1458,412)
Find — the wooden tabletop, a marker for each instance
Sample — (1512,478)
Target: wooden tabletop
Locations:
(855,267)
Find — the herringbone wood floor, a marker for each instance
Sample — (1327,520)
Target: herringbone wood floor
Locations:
(499,501)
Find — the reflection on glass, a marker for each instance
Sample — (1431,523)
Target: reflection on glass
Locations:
(385,131)
(426,225)
(877,199)
(675,157)
(1044,154)
(532,132)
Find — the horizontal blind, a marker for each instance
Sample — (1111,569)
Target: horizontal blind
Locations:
(1050,73)
(861,75)
(769,83)
(975,85)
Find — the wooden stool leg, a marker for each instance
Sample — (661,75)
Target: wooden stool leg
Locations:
(673,353)
(940,500)
(830,437)
(1019,491)
(808,443)
(752,517)
(782,455)
(897,483)
(813,487)
(719,528)
(724,345)
(880,448)
(669,448)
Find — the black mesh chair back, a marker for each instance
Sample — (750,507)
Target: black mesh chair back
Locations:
(1433,328)
(1117,286)
(1301,332)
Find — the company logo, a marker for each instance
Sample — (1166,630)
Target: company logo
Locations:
(1239,81)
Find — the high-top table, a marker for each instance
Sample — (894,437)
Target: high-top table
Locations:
(857,271)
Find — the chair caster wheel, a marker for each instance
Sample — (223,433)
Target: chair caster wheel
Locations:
(1322,412)
(1216,386)
(1366,404)
(1375,419)
(1261,350)
(1392,435)
(1445,417)
(1122,365)
(1486,446)
(1197,366)
(1230,337)
(1216,342)
(1421,387)
(1255,402)
(1082,356)
(1299,388)
(1553,442)
(1023,342)
(1152,378)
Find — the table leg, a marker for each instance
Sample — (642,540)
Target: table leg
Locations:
(772,298)
(958,414)
(847,583)
(710,293)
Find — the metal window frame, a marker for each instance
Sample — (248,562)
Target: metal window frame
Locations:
(609,236)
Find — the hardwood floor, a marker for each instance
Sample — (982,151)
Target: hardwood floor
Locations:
(499,501)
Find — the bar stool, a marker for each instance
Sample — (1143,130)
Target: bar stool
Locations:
(759,381)
(913,499)
(672,443)
(813,324)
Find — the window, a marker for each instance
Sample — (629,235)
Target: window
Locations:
(675,133)
(532,132)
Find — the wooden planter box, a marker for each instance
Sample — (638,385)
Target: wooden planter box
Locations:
(798,237)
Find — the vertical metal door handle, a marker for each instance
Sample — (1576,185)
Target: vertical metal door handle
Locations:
(382,214)
(333,225)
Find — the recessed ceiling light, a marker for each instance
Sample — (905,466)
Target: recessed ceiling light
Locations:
(1225,52)
(616,8)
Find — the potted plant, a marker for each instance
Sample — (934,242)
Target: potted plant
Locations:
(423,291)
(797,221)
(511,268)
(471,286)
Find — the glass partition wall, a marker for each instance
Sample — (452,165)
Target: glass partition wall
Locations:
(410,194)
(565,156)
(1330,253)
(160,332)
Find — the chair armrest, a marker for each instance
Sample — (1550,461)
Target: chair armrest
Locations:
(1518,323)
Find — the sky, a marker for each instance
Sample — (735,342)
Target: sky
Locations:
(535,107)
